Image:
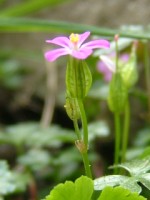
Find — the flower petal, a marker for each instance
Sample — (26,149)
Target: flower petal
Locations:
(107,73)
(52,55)
(82,54)
(108,63)
(83,37)
(61,41)
(96,44)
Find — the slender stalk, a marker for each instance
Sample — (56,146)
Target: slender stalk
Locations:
(84,123)
(117,139)
(117,115)
(83,151)
(117,53)
(76,127)
(147,75)
(86,165)
(85,139)
(125,131)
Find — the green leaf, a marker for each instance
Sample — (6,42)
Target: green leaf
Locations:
(36,159)
(98,129)
(30,25)
(6,180)
(119,193)
(82,189)
(52,136)
(10,181)
(27,7)
(137,167)
(115,180)
(145,153)
(143,137)
(62,191)
(145,180)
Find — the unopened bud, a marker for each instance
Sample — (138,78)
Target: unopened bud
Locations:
(72,108)
(129,71)
(117,94)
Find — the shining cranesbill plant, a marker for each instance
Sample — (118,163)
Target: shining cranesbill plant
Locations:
(78,82)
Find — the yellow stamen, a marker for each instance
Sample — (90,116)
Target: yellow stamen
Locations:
(74,38)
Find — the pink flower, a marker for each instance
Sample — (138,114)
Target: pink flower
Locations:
(73,45)
(107,65)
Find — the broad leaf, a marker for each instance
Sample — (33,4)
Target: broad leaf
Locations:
(82,189)
(137,167)
(119,193)
(115,180)
(145,180)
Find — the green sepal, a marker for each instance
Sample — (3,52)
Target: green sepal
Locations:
(78,78)
(72,108)
(118,94)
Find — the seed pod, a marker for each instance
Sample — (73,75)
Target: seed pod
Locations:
(78,78)
(118,94)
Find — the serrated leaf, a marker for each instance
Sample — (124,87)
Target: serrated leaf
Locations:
(119,193)
(116,180)
(82,189)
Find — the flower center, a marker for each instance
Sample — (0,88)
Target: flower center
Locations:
(74,38)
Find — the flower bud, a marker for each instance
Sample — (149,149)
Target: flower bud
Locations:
(72,108)
(129,70)
(117,94)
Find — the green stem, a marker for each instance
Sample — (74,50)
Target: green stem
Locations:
(76,127)
(147,75)
(117,53)
(85,139)
(117,139)
(84,154)
(86,164)
(125,131)
(84,122)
